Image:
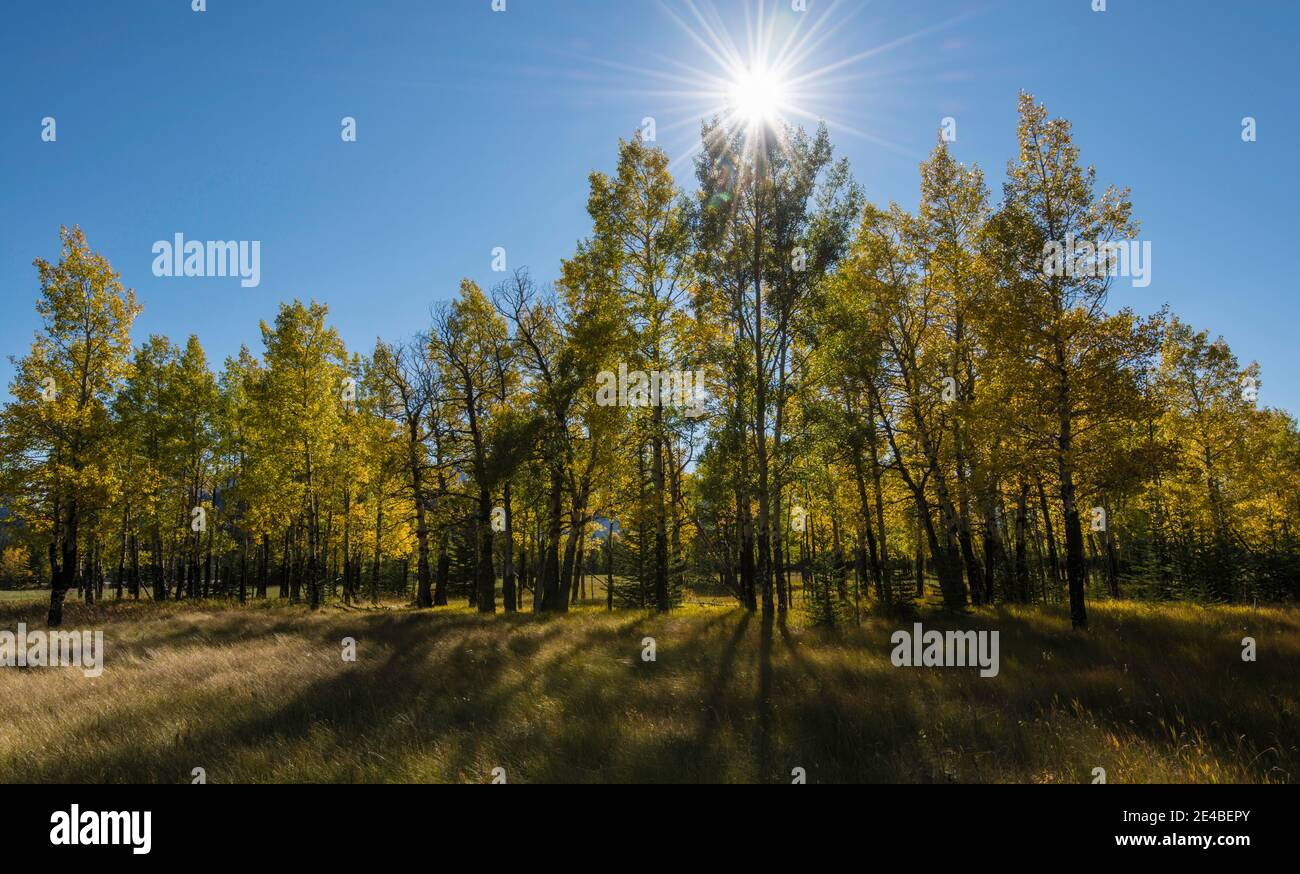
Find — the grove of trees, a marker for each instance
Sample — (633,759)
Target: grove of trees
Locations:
(898,404)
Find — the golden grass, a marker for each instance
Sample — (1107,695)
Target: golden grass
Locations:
(261,694)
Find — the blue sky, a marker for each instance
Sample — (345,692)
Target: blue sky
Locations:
(477,129)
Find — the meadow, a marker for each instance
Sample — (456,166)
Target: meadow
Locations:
(262,693)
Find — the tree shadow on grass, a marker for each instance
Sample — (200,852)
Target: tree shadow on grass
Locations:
(844,723)
(367,700)
(763,702)
(716,702)
(1171,678)
(452,718)
(564,699)
(624,719)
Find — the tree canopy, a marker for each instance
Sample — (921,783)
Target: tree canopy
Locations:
(769,388)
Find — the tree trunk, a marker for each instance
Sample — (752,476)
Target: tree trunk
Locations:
(1022,562)
(487,574)
(508,569)
(63,573)
(444,570)
(550,578)
(1075,566)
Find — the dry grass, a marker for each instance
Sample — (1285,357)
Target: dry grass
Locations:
(261,694)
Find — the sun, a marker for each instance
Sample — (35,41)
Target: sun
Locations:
(757,96)
(764,73)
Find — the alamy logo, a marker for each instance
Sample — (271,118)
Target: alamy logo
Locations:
(103,828)
(950,649)
(179,257)
(1077,259)
(658,388)
(53,649)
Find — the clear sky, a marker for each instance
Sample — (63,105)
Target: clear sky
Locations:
(477,129)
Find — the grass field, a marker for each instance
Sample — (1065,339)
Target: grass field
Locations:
(23,596)
(262,693)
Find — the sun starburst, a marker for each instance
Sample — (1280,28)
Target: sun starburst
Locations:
(762,70)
